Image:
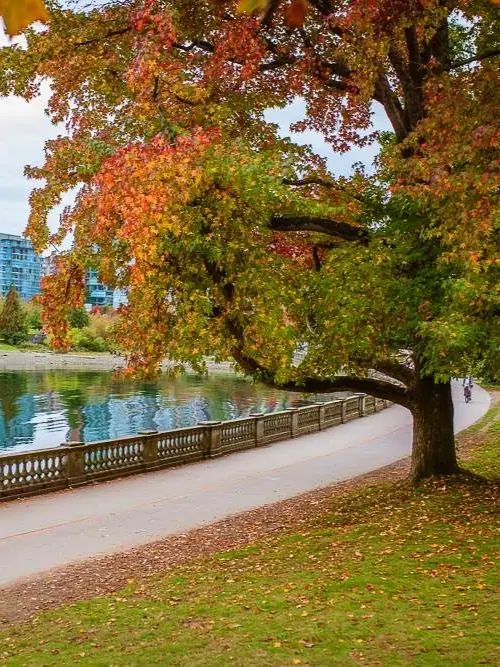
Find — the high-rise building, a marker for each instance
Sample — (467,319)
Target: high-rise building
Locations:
(97,293)
(20,266)
(120,297)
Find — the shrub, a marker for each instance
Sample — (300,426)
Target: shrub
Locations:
(86,340)
(33,315)
(78,318)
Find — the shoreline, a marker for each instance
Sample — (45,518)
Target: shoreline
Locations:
(32,361)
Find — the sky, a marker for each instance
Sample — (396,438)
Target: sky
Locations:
(24,128)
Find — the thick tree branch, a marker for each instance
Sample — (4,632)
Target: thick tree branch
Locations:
(277,63)
(324,225)
(478,57)
(113,33)
(384,94)
(439,46)
(395,370)
(413,52)
(401,70)
(312,180)
(378,388)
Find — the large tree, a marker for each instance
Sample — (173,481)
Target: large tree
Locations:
(234,241)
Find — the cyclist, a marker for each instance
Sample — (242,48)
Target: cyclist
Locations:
(468,384)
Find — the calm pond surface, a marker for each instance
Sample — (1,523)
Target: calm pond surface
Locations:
(44,408)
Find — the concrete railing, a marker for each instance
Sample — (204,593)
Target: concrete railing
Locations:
(77,463)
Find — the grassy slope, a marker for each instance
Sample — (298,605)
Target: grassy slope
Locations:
(392,576)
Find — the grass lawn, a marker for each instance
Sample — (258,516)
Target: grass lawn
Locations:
(391,576)
(5,347)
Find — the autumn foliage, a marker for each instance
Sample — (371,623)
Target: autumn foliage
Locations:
(236,242)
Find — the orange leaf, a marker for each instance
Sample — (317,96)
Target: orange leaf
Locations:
(296,13)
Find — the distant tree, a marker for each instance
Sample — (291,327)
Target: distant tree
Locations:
(79,318)
(35,320)
(13,323)
(33,315)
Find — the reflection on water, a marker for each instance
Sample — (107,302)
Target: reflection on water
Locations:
(45,408)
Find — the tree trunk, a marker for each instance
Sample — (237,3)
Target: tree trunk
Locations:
(433,437)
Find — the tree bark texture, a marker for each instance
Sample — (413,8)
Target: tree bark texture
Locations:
(433,451)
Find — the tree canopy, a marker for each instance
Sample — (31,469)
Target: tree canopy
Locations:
(235,242)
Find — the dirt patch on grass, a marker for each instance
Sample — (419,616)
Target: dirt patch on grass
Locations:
(107,574)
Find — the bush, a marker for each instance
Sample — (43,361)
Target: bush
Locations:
(96,344)
(86,340)
(97,336)
(78,318)
(15,338)
(33,315)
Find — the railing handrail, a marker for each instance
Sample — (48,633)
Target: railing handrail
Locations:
(74,463)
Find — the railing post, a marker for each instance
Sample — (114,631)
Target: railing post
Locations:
(343,411)
(258,427)
(149,448)
(75,462)
(321,416)
(294,422)
(212,439)
(362,406)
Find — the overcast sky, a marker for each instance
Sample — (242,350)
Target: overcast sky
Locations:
(24,128)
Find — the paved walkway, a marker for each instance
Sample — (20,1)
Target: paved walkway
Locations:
(40,533)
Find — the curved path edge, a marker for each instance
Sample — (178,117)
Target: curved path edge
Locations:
(45,532)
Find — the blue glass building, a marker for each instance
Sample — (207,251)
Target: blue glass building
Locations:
(20,266)
(97,293)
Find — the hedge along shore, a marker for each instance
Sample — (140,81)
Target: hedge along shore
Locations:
(29,361)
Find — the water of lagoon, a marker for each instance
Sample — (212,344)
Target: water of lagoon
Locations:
(45,408)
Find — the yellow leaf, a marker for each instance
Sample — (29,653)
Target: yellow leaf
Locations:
(18,14)
(252,6)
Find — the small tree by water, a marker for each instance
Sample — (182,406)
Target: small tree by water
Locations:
(13,323)
(79,318)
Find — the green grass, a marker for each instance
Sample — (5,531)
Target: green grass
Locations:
(391,576)
(5,347)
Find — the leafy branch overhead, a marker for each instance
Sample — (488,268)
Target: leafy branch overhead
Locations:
(236,242)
